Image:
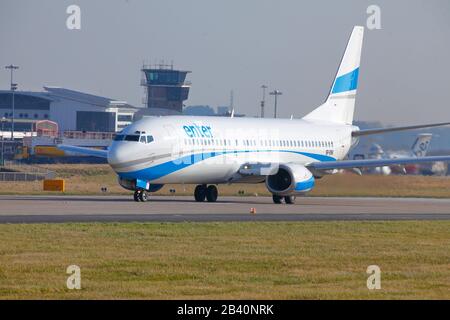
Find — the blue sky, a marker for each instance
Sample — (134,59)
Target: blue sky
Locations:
(294,46)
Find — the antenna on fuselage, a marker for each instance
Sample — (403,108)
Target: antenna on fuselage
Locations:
(292,116)
(232,113)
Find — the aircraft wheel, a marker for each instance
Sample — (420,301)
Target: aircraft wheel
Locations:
(136,195)
(211,193)
(200,193)
(289,199)
(276,199)
(143,196)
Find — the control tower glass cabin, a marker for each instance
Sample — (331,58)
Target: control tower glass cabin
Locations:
(166,88)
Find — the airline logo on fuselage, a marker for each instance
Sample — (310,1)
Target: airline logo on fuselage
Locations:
(196,131)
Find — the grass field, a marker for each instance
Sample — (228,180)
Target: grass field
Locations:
(314,260)
(89,179)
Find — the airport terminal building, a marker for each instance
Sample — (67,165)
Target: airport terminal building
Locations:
(71,110)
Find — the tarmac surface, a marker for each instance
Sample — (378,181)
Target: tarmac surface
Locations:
(58,209)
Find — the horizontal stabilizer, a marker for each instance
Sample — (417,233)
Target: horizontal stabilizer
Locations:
(84,151)
(348,164)
(366,132)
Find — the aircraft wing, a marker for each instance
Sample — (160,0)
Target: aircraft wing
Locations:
(366,132)
(84,151)
(348,164)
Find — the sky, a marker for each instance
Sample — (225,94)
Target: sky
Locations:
(293,46)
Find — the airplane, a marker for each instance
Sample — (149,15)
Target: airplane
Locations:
(288,155)
(418,149)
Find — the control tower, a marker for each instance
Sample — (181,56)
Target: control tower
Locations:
(166,88)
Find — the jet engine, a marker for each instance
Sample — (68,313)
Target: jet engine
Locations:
(290,180)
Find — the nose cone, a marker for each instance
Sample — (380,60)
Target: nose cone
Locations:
(118,154)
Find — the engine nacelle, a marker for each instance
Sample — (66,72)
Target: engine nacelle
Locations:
(132,184)
(291,179)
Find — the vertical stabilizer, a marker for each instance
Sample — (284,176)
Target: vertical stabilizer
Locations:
(340,104)
(421,145)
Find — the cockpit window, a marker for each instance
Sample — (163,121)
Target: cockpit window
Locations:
(119,137)
(131,138)
(134,137)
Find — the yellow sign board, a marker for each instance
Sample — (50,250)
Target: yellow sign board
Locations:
(54,185)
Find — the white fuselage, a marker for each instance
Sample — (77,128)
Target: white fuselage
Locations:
(207,150)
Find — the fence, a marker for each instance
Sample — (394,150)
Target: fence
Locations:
(16,171)
(25,176)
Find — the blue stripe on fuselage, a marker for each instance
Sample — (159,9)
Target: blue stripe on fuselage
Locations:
(166,168)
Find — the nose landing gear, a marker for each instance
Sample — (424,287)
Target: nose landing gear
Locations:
(140,196)
(203,192)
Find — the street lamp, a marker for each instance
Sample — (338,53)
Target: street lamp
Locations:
(3,121)
(275,93)
(3,142)
(263,101)
(13,88)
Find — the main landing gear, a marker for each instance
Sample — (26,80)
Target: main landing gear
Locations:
(140,196)
(203,192)
(287,199)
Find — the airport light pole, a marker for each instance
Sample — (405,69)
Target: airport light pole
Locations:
(275,93)
(3,122)
(263,101)
(3,141)
(13,89)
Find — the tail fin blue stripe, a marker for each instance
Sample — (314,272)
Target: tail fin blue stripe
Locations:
(346,82)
